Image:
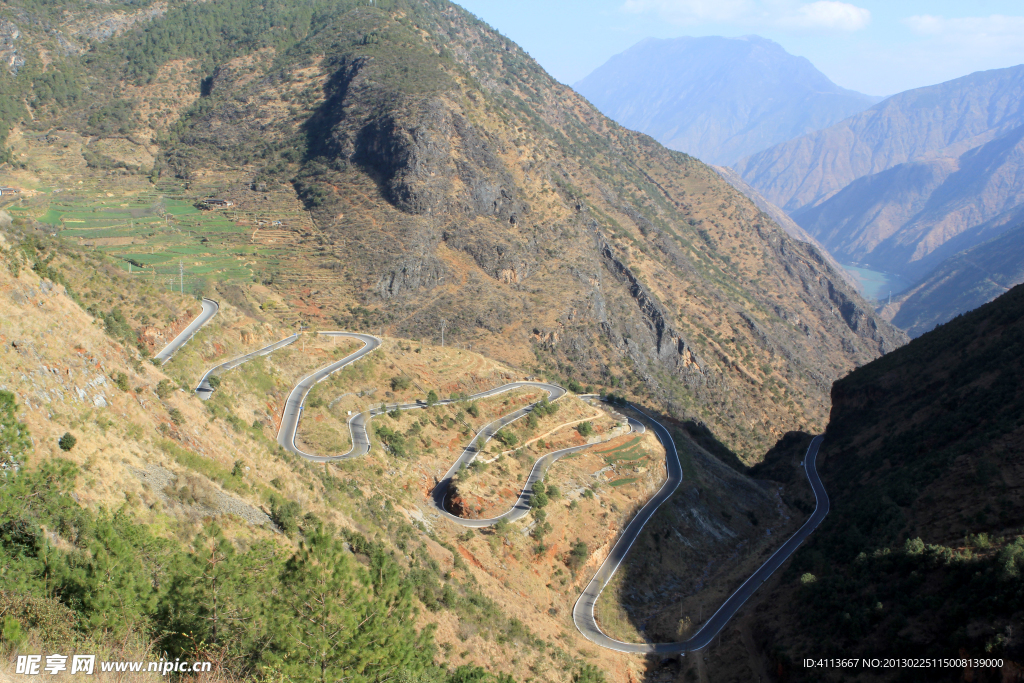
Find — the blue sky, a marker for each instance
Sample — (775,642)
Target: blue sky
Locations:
(879,48)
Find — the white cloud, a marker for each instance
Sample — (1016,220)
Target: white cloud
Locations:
(829,14)
(823,14)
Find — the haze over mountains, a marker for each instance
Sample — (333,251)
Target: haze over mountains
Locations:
(718,99)
(909,182)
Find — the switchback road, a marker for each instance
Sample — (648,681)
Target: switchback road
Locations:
(358,425)
(210,308)
(204,390)
(583,611)
(293,405)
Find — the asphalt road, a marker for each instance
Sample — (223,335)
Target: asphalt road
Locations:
(361,441)
(210,308)
(583,611)
(293,406)
(357,424)
(522,505)
(205,391)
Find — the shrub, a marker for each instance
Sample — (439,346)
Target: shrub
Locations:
(176,417)
(588,673)
(544,407)
(506,437)
(808,578)
(67,442)
(585,429)
(11,634)
(431,398)
(400,383)
(121,381)
(164,388)
(473,410)
(577,555)
(285,514)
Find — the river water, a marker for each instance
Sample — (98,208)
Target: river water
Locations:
(875,284)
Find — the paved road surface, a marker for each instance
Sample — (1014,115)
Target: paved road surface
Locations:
(522,505)
(210,308)
(293,406)
(205,391)
(361,441)
(583,611)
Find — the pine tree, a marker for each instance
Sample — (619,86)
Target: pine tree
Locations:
(336,621)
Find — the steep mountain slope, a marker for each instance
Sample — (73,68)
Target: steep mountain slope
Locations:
(781,218)
(939,121)
(450,179)
(921,553)
(168,515)
(962,283)
(910,217)
(718,99)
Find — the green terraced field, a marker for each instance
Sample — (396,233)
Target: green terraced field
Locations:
(621,447)
(159,226)
(626,456)
(622,482)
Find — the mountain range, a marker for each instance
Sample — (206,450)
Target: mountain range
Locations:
(459,183)
(718,99)
(404,171)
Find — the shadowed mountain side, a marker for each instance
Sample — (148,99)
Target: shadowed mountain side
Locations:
(943,120)
(962,283)
(718,99)
(922,453)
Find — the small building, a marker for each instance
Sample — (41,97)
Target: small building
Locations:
(217,203)
(8,191)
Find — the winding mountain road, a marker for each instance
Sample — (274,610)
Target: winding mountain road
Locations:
(583,611)
(204,390)
(293,405)
(210,308)
(358,424)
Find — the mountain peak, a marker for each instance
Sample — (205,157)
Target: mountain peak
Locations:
(718,98)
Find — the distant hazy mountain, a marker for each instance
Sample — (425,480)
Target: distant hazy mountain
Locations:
(718,99)
(909,218)
(939,121)
(963,282)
